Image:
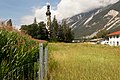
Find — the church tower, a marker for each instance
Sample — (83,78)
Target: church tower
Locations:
(48,22)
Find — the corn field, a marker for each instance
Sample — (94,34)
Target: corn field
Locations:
(18,57)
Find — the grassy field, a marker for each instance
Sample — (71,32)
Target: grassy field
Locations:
(84,62)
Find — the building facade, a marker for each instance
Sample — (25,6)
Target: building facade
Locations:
(114,39)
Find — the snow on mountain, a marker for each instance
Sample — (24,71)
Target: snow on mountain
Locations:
(88,19)
(112,13)
(89,23)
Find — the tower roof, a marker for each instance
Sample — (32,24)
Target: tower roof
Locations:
(48,13)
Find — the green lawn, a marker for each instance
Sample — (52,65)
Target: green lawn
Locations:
(84,62)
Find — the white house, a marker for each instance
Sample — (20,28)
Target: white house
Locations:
(104,42)
(114,39)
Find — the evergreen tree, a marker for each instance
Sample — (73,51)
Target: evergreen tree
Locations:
(35,21)
(9,22)
(54,34)
(61,33)
(67,33)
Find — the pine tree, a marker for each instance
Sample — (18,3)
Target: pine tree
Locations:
(35,21)
(67,33)
(54,34)
(9,22)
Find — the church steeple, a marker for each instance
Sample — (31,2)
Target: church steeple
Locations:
(48,13)
(48,20)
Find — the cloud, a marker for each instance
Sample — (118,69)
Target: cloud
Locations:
(65,8)
(27,19)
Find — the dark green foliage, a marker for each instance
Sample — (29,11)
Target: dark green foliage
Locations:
(58,32)
(62,32)
(65,33)
(43,31)
(54,32)
(37,31)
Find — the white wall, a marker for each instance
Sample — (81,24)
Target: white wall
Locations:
(114,40)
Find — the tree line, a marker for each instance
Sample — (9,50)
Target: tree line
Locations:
(58,33)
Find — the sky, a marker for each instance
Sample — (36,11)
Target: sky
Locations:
(23,11)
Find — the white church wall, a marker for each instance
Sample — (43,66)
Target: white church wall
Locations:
(114,40)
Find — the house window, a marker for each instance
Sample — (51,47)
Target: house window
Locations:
(110,42)
(117,36)
(110,36)
(113,43)
(117,43)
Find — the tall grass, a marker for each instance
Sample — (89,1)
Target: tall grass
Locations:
(85,62)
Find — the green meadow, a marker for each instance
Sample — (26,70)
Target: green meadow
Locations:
(84,62)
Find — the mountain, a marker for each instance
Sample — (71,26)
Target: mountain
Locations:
(89,23)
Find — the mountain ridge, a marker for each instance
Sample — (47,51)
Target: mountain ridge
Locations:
(88,24)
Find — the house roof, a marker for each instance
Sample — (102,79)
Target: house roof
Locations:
(95,40)
(114,33)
